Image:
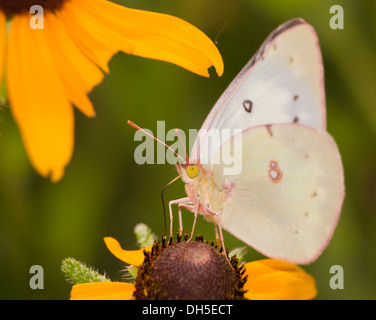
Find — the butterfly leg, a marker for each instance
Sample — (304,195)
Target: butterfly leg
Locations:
(180,218)
(216,231)
(194,221)
(179,202)
(185,206)
(218,224)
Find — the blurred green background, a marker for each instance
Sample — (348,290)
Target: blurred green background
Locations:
(105,193)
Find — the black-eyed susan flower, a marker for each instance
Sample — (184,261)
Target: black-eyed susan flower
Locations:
(50,69)
(189,270)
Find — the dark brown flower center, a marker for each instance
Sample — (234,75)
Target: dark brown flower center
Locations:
(192,270)
(11,7)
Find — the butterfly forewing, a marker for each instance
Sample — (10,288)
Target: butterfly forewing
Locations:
(282,83)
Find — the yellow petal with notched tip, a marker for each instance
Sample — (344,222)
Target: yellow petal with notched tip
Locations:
(109,28)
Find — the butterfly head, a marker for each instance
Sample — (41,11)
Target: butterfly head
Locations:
(188,172)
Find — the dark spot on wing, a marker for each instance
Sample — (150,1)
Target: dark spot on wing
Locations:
(269,128)
(296,120)
(247,104)
(296,97)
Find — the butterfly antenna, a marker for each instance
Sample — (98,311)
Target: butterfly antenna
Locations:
(132,124)
(150,135)
(181,141)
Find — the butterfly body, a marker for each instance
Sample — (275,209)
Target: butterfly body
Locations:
(203,192)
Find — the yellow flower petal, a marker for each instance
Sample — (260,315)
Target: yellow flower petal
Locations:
(92,36)
(133,257)
(3,39)
(38,100)
(108,28)
(49,69)
(102,291)
(78,73)
(271,279)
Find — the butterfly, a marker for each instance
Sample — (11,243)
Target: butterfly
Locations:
(285,197)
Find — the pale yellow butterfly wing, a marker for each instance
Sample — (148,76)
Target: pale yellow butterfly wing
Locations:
(287,198)
(282,83)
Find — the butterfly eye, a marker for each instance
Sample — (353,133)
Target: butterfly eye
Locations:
(192,171)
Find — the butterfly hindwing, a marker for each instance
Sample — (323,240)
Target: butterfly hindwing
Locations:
(286,200)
